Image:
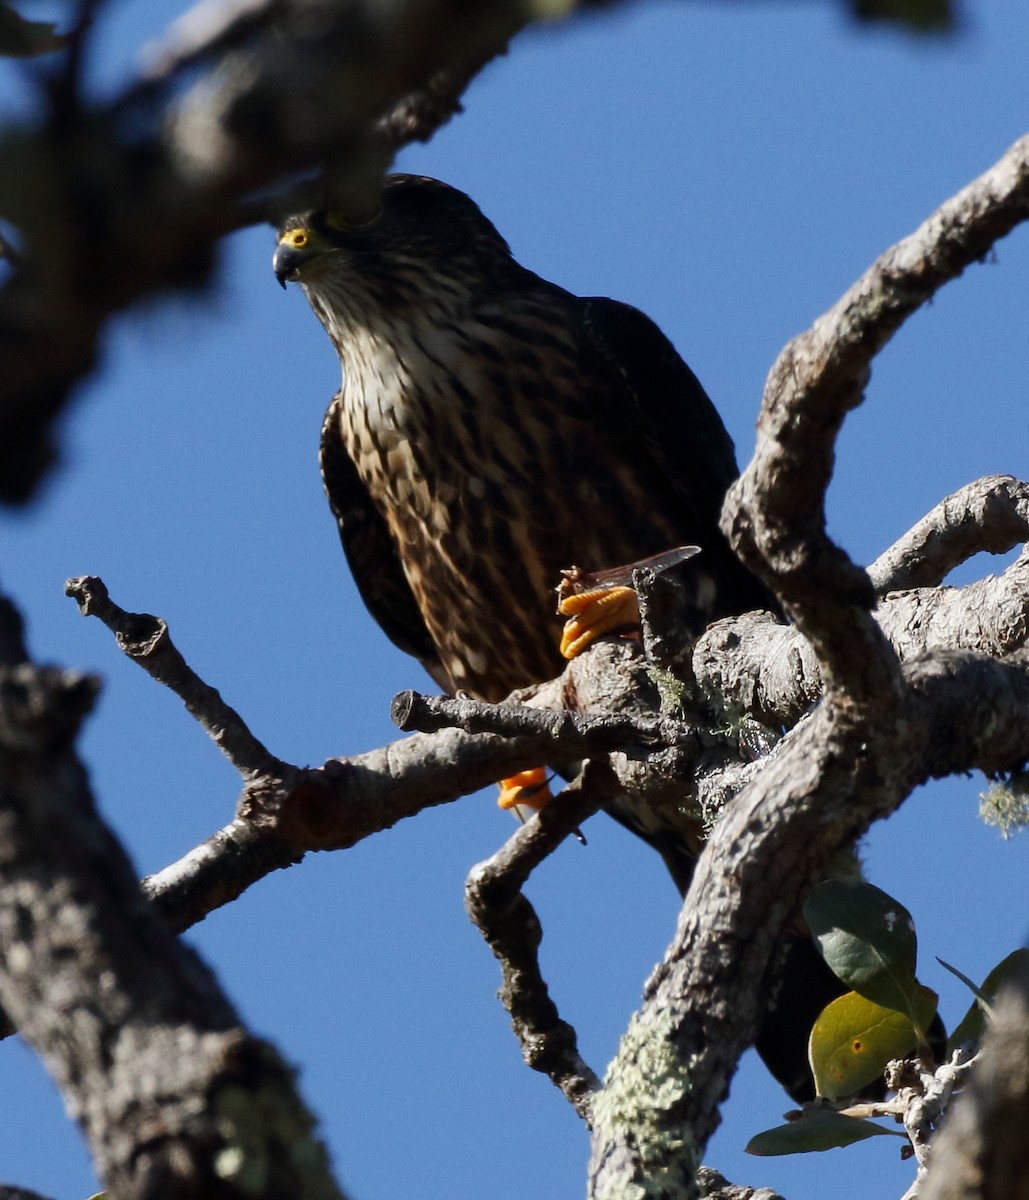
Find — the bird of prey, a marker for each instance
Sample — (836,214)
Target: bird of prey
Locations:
(493,429)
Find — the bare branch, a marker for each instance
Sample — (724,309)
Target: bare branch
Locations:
(173,1094)
(879,730)
(217,872)
(774,513)
(571,734)
(285,811)
(989,515)
(282,817)
(508,922)
(146,640)
(758,666)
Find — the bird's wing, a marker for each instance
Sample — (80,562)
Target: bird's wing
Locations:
(370,551)
(670,413)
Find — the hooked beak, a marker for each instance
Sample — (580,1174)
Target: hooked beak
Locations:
(286,263)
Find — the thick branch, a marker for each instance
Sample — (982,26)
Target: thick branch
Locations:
(991,515)
(758,666)
(879,730)
(774,513)
(826,782)
(174,1096)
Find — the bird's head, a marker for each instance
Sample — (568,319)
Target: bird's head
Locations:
(424,234)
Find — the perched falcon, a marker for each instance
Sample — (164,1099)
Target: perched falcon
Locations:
(493,429)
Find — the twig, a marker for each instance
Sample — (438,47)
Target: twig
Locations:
(571,734)
(991,514)
(508,922)
(981,1152)
(146,640)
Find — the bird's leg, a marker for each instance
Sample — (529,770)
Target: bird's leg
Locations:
(528,789)
(591,614)
(601,602)
(526,793)
(594,613)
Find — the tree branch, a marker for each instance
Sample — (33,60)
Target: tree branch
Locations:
(753,664)
(173,1094)
(880,729)
(571,734)
(508,922)
(285,811)
(774,513)
(991,515)
(146,640)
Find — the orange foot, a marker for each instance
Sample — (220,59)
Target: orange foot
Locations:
(527,789)
(601,602)
(595,612)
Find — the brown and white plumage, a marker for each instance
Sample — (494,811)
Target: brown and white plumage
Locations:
(499,429)
(493,429)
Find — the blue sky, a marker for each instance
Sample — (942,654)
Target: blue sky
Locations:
(728,168)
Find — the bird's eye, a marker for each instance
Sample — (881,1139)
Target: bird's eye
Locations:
(297,238)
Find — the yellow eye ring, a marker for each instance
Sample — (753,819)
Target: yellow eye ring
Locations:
(297,238)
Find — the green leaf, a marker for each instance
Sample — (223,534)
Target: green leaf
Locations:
(854,1038)
(1013,969)
(817,1129)
(21,38)
(868,940)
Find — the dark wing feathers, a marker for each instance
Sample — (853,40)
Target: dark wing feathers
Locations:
(684,436)
(673,413)
(370,550)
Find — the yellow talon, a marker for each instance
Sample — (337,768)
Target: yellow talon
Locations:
(527,789)
(593,613)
